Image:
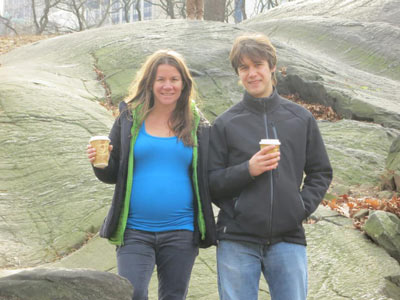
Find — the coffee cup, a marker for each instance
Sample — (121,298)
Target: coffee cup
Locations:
(100,143)
(269,142)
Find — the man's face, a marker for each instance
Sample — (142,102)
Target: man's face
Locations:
(256,77)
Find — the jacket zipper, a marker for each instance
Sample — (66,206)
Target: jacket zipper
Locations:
(270,179)
(276,171)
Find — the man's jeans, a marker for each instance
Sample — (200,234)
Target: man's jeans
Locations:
(174,254)
(240,264)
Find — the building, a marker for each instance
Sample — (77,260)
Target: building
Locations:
(1,7)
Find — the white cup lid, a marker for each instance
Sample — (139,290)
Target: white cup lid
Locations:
(99,138)
(270,141)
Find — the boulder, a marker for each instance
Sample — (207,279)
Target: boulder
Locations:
(344,54)
(51,203)
(65,284)
(384,229)
(392,288)
(391,176)
(357,151)
(342,262)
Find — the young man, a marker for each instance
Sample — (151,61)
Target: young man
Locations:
(262,196)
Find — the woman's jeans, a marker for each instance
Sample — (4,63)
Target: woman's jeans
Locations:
(174,254)
(240,264)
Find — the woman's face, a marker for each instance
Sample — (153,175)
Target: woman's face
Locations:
(167,87)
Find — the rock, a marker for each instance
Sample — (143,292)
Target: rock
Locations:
(336,52)
(361,213)
(392,288)
(343,263)
(385,195)
(51,203)
(384,229)
(65,284)
(357,151)
(391,177)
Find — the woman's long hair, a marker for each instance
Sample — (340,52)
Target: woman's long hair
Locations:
(141,93)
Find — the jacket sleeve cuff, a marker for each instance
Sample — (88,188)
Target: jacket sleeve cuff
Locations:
(248,168)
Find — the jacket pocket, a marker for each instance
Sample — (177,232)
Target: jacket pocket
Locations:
(236,212)
(289,213)
(304,207)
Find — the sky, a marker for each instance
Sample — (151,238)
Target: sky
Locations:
(1,7)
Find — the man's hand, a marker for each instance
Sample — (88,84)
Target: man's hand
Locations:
(263,161)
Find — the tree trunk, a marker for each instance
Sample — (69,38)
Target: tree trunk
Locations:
(35,22)
(243,8)
(170,9)
(8,24)
(138,9)
(214,10)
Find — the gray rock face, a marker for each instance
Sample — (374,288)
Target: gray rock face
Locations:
(344,263)
(50,200)
(64,284)
(342,53)
(357,152)
(384,229)
(391,176)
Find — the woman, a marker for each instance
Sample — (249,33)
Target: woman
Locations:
(161,211)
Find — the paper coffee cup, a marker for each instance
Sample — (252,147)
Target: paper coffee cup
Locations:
(101,144)
(268,142)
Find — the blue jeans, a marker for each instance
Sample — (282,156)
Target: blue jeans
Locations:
(174,254)
(240,264)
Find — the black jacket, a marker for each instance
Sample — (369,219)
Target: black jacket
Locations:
(117,171)
(271,207)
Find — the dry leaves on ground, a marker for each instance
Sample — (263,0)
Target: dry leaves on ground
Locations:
(350,206)
(8,43)
(319,111)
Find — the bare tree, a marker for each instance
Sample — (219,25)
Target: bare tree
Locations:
(138,9)
(229,9)
(8,23)
(263,5)
(165,5)
(126,6)
(40,13)
(88,14)
(169,6)
(214,10)
(181,6)
(77,8)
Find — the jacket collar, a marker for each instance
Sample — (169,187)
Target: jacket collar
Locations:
(261,105)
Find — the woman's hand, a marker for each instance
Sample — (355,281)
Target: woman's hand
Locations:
(91,152)
(263,161)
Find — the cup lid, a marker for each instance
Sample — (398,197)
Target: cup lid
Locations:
(270,141)
(99,138)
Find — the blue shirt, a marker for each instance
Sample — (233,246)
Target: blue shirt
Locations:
(162,194)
